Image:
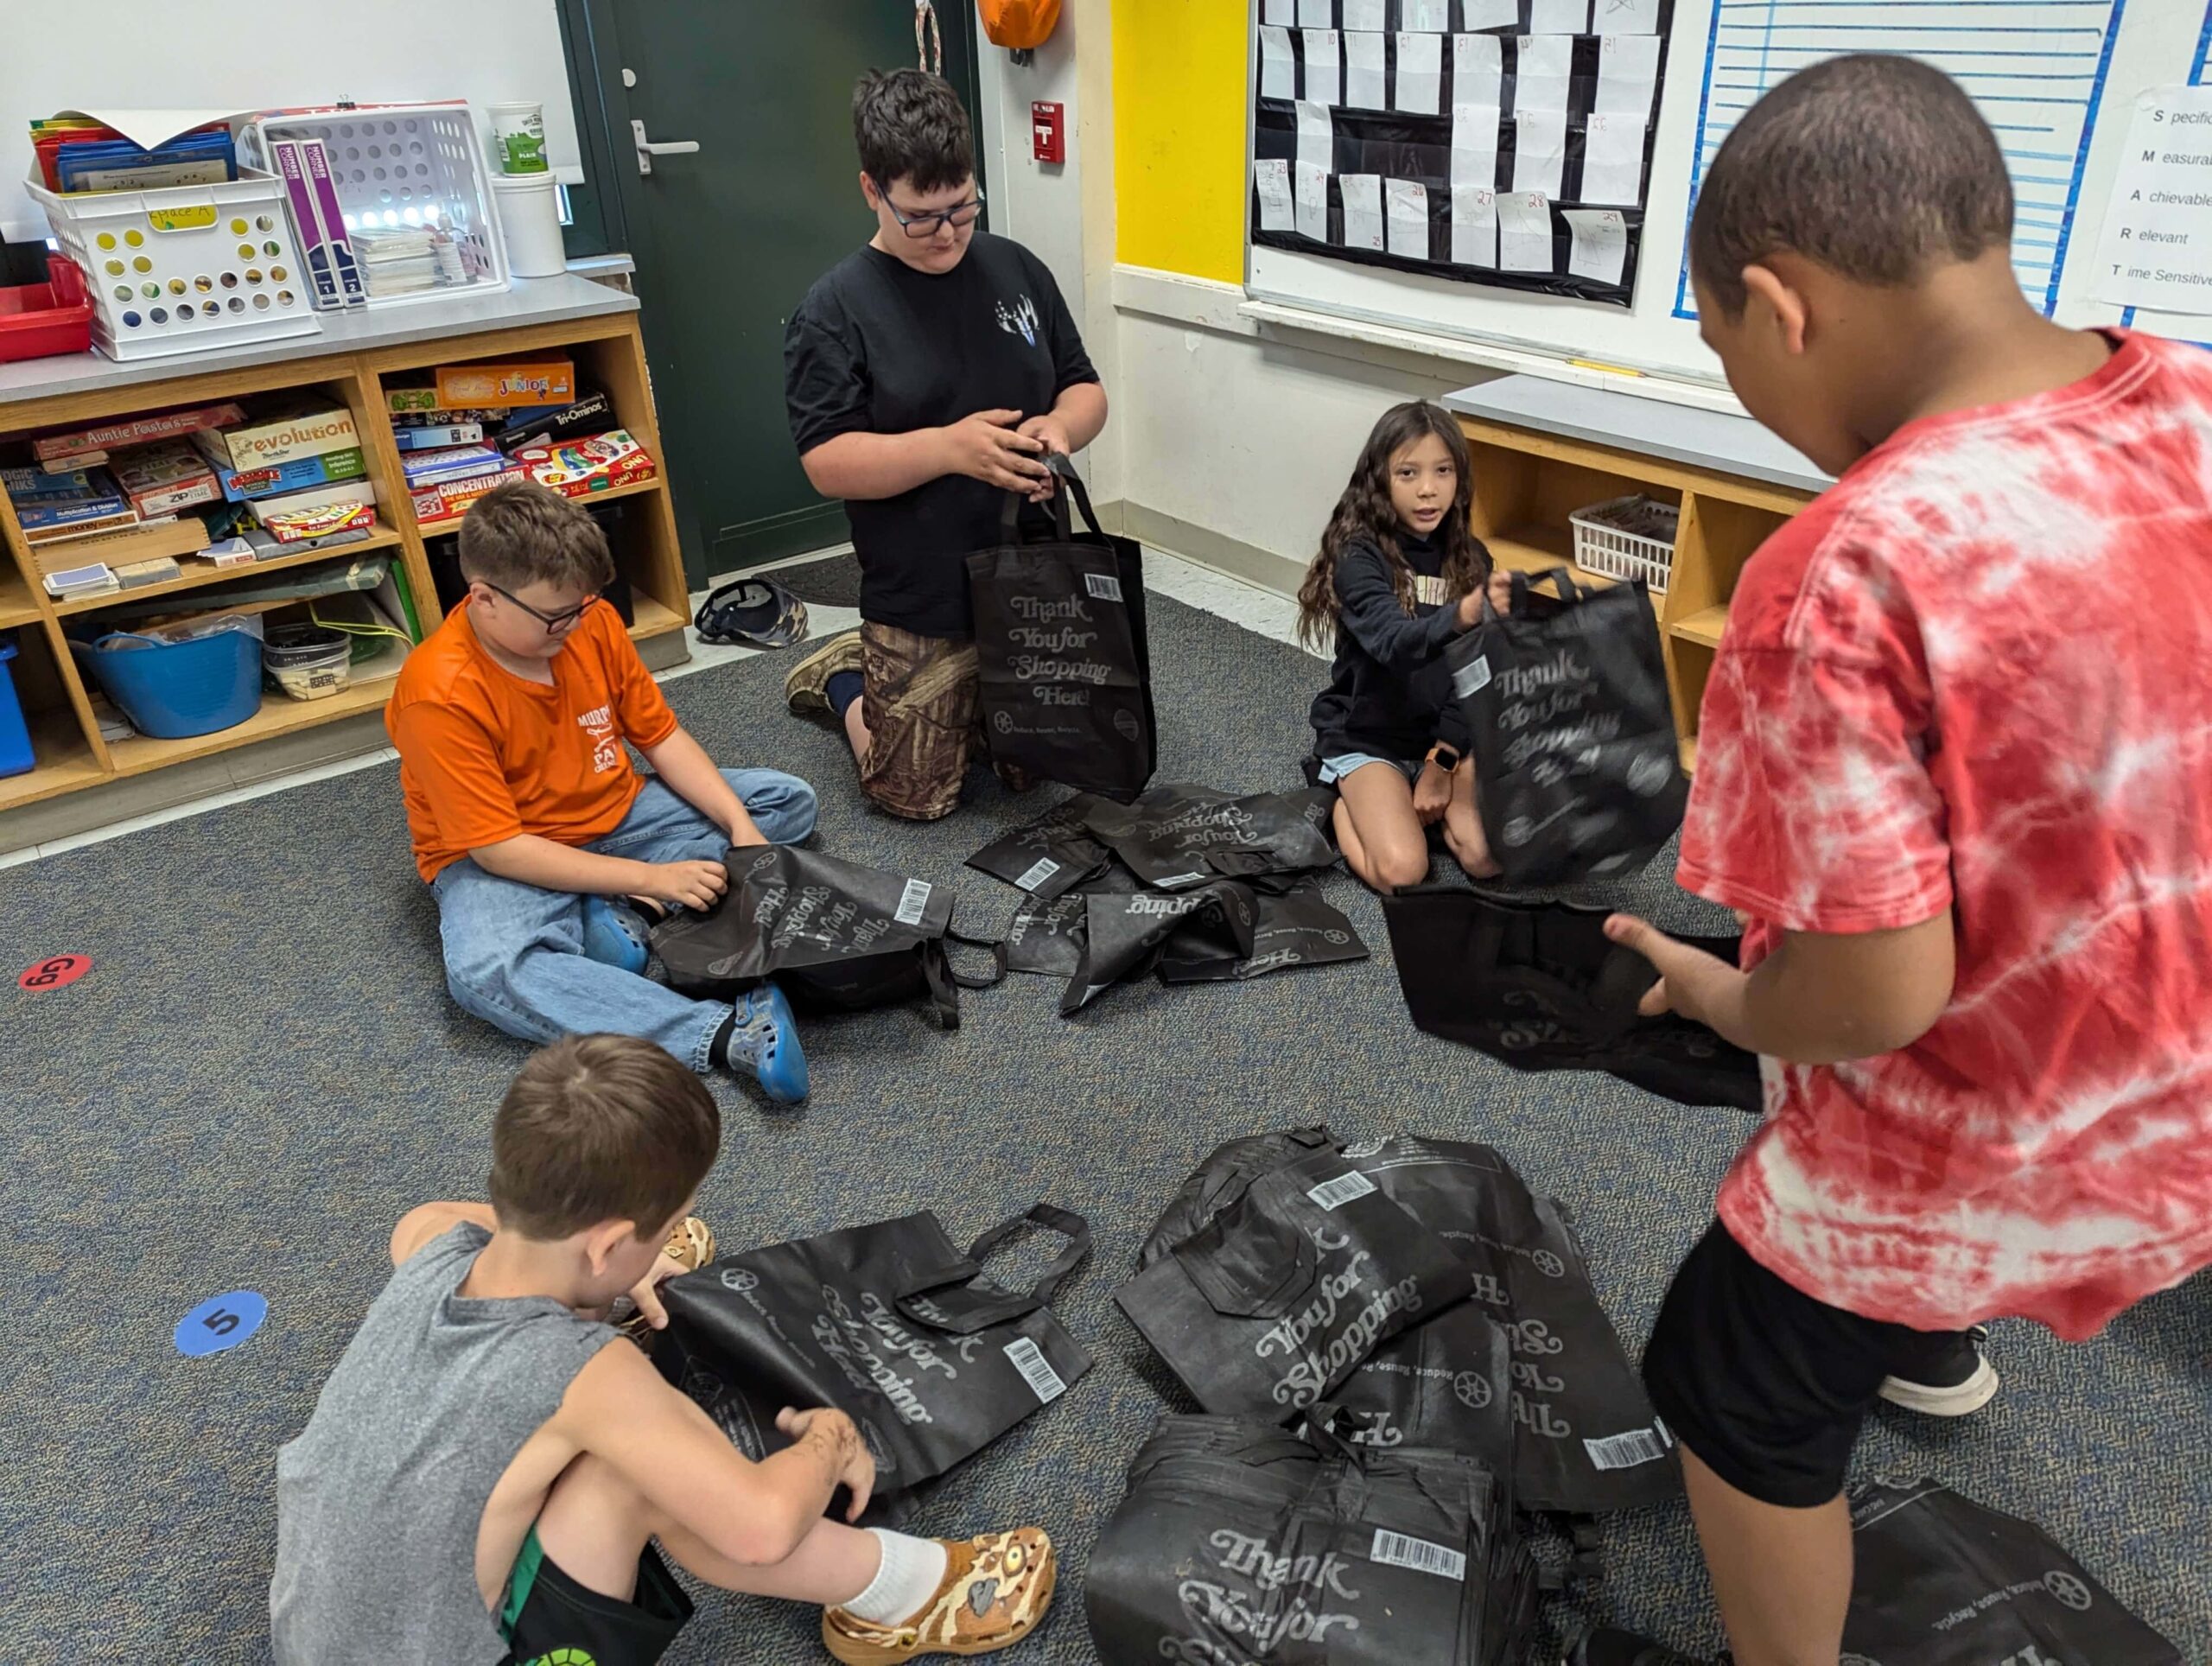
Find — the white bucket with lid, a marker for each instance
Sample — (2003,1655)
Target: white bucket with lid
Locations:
(530,215)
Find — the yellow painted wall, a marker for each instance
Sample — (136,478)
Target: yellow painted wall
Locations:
(1180,89)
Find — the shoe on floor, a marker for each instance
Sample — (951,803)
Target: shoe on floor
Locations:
(1609,1646)
(996,1588)
(765,1040)
(1952,1383)
(807,688)
(691,1245)
(616,934)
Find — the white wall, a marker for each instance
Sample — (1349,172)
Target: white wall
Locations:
(156,54)
(1038,204)
(1235,445)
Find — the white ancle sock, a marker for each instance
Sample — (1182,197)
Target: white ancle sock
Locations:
(912,1571)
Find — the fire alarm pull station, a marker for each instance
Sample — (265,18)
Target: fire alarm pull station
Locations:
(1048,125)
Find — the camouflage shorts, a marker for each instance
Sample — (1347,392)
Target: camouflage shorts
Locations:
(923,720)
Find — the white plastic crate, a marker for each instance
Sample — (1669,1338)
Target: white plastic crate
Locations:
(187,267)
(1627,538)
(403,166)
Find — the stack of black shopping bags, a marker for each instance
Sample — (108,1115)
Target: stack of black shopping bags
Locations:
(1199,885)
(1398,1351)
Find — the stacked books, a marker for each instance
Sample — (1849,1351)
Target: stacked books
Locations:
(399,260)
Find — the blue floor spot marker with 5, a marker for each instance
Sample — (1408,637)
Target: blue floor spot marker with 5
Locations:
(220,1322)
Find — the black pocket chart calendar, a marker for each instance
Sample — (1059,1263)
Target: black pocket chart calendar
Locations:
(1505,143)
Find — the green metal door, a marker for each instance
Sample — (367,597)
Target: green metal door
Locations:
(727,239)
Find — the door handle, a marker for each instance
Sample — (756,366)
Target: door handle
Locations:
(647,148)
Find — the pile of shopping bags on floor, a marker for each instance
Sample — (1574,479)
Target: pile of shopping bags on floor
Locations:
(1401,1366)
(1198,885)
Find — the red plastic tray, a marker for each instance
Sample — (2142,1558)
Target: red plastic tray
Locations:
(38,321)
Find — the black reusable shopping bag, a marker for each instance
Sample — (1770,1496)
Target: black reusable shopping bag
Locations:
(1049,857)
(1125,935)
(1943,1581)
(1225,1176)
(1237,1542)
(1047,936)
(1447,1382)
(837,937)
(1572,731)
(1297,928)
(1177,834)
(1063,663)
(889,1323)
(1277,1299)
(1586,1439)
(1539,987)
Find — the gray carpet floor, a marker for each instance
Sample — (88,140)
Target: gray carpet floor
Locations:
(262,1073)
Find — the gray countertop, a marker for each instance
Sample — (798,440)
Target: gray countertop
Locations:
(1682,434)
(530,301)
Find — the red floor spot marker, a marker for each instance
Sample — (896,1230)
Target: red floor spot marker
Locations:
(53,972)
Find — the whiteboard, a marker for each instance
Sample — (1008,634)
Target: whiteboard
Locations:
(2058,79)
(153,54)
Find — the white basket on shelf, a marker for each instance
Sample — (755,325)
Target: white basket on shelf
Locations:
(412,166)
(186,267)
(1627,538)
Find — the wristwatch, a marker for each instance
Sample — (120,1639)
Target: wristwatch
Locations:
(1445,756)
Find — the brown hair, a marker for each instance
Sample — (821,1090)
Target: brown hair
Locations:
(910,125)
(596,1129)
(522,533)
(1364,515)
(1872,165)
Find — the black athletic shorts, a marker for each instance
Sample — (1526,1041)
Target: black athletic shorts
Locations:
(1766,1386)
(549,1618)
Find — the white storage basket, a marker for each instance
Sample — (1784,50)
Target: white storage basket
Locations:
(187,267)
(400,166)
(1627,538)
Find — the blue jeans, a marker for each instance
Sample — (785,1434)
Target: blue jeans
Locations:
(514,953)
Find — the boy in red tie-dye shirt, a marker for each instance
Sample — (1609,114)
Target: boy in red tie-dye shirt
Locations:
(1955,773)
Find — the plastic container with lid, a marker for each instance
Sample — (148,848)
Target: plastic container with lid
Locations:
(306,661)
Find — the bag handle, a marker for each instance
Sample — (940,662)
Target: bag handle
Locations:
(1561,580)
(1228,1288)
(1064,465)
(947,1298)
(976,980)
(1010,513)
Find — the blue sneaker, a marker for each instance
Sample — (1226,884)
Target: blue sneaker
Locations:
(765,1036)
(616,934)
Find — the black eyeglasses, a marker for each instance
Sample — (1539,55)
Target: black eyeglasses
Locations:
(919,226)
(554,624)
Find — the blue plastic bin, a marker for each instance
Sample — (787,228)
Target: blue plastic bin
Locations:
(15,733)
(173,689)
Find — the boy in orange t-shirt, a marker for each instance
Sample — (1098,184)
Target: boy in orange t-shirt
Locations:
(546,849)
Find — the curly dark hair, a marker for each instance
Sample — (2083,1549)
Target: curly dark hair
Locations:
(910,125)
(1364,514)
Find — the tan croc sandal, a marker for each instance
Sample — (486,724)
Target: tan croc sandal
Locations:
(806,689)
(692,1244)
(996,1588)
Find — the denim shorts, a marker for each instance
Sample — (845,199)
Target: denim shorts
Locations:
(1334,769)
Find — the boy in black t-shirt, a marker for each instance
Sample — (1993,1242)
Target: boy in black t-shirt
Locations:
(928,375)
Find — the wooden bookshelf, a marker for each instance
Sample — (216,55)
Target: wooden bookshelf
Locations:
(65,736)
(1528,481)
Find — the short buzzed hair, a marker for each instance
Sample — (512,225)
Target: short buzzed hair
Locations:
(600,1127)
(910,125)
(523,533)
(1872,165)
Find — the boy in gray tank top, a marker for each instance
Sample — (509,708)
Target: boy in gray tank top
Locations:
(487,1469)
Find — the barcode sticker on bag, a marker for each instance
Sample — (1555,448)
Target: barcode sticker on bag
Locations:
(1342,1190)
(1396,1550)
(1473,676)
(1626,1450)
(1105,585)
(1173,881)
(1036,1370)
(1045,870)
(911,900)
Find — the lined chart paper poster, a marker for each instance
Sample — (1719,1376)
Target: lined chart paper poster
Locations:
(2035,68)
(1505,143)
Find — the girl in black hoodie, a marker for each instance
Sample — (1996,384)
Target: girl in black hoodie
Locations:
(1399,576)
